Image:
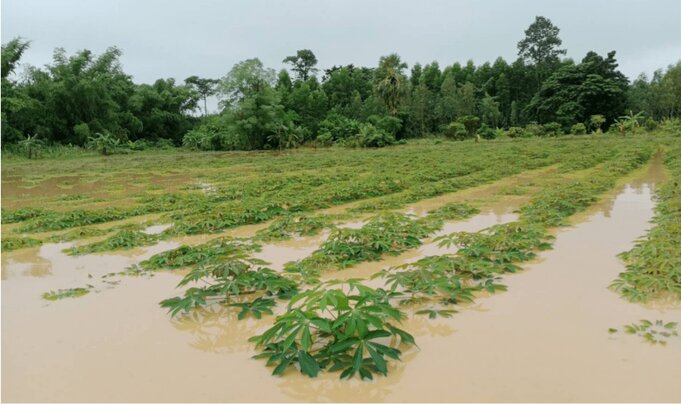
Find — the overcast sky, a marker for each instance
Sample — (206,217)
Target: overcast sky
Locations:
(179,38)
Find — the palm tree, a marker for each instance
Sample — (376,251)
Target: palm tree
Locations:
(390,89)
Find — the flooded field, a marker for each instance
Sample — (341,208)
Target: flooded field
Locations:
(544,339)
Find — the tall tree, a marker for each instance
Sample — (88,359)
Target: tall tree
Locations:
(253,107)
(541,43)
(204,87)
(489,111)
(575,92)
(247,78)
(390,81)
(11,53)
(448,105)
(465,100)
(303,63)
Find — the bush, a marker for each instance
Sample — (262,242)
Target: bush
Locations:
(339,126)
(82,132)
(371,136)
(486,132)
(455,131)
(139,145)
(214,134)
(471,123)
(324,140)
(553,129)
(105,143)
(389,124)
(671,126)
(164,143)
(596,123)
(533,129)
(578,129)
(650,124)
(514,132)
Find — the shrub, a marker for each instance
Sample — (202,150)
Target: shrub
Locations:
(389,124)
(139,145)
(514,132)
(105,143)
(486,132)
(325,139)
(214,134)
(578,129)
(339,126)
(371,136)
(164,143)
(82,132)
(650,124)
(553,129)
(455,131)
(671,126)
(533,129)
(471,123)
(596,123)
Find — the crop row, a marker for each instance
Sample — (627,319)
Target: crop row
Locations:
(347,326)
(397,179)
(653,266)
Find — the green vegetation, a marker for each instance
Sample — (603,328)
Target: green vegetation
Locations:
(65,293)
(326,328)
(209,254)
(87,100)
(290,186)
(290,226)
(654,333)
(654,264)
(387,233)
(121,240)
(440,281)
(15,243)
(332,326)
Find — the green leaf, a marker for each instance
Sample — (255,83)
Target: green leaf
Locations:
(378,360)
(308,365)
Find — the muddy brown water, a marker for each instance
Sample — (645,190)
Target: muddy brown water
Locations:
(545,339)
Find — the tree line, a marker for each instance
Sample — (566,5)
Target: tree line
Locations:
(86,98)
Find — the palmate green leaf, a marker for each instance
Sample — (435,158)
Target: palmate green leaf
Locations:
(379,362)
(405,337)
(343,345)
(358,357)
(308,365)
(390,352)
(257,307)
(279,370)
(433,313)
(306,339)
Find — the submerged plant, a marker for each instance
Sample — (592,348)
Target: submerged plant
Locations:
(122,240)
(65,293)
(296,226)
(327,329)
(221,281)
(210,253)
(657,332)
(15,243)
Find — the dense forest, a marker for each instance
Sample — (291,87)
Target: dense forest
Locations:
(87,99)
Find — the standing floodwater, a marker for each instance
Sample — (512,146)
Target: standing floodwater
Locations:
(545,339)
